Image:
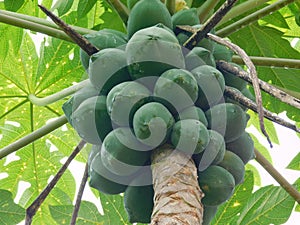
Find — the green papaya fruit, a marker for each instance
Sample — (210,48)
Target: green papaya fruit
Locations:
(152,124)
(234,81)
(108,67)
(138,203)
(122,153)
(106,38)
(178,87)
(228,119)
(131,3)
(217,185)
(243,147)
(124,99)
(91,120)
(72,103)
(199,56)
(93,152)
(211,86)
(152,51)
(147,13)
(221,52)
(205,43)
(185,17)
(209,213)
(230,100)
(193,112)
(234,165)
(213,153)
(189,136)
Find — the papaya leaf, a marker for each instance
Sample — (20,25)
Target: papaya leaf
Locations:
(63,6)
(297,185)
(268,205)
(262,149)
(13,5)
(229,210)
(295,163)
(84,6)
(88,214)
(10,212)
(276,19)
(254,170)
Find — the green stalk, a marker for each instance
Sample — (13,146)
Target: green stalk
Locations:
(226,31)
(35,135)
(204,11)
(171,6)
(121,9)
(34,27)
(42,21)
(58,95)
(241,9)
(268,61)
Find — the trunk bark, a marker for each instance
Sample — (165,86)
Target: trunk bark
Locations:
(177,198)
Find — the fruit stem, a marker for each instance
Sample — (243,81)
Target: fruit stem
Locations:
(206,8)
(175,176)
(277,176)
(121,9)
(171,6)
(241,9)
(226,31)
(58,95)
(35,135)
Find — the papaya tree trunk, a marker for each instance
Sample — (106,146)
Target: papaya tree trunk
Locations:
(177,198)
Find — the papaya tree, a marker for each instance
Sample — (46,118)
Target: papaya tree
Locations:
(156,99)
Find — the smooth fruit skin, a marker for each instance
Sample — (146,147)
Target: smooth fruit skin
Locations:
(199,56)
(108,67)
(147,13)
(91,120)
(178,87)
(234,165)
(228,119)
(217,185)
(189,136)
(222,53)
(192,112)
(243,147)
(234,81)
(106,38)
(152,51)
(122,153)
(185,17)
(124,99)
(209,214)
(211,86)
(152,124)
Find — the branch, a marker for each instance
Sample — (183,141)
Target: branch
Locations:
(240,98)
(209,24)
(32,209)
(277,176)
(275,92)
(83,43)
(35,135)
(226,31)
(121,9)
(58,95)
(79,195)
(253,75)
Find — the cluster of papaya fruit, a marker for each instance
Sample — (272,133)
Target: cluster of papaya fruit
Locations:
(146,90)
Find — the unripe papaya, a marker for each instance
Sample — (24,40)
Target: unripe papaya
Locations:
(91,120)
(234,81)
(178,87)
(243,147)
(94,150)
(189,136)
(138,203)
(209,213)
(152,124)
(185,17)
(234,165)
(106,38)
(228,119)
(122,153)
(72,104)
(108,67)
(152,51)
(211,86)
(147,13)
(217,185)
(221,52)
(193,112)
(213,153)
(199,56)
(124,99)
